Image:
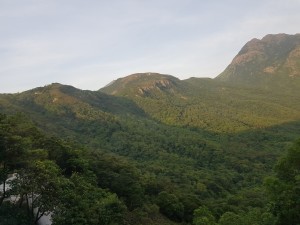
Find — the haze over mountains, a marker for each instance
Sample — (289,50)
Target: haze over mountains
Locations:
(206,141)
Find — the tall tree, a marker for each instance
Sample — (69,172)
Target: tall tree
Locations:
(40,184)
(12,150)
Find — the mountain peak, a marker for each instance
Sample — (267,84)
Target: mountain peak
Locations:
(142,84)
(274,55)
(279,37)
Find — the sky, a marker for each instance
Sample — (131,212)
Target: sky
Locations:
(89,43)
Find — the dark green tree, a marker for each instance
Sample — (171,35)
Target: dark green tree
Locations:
(170,206)
(40,185)
(202,216)
(284,188)
(12,150)
(82,203)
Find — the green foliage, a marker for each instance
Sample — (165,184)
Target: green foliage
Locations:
(10,215)
(170,206)
(254,216)
(230,218)
(39,184)
(67,190)
(202,216)
(119,176)
(82,203)
(284,189)
(14,141)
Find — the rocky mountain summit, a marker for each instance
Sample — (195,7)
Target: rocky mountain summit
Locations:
(275,55)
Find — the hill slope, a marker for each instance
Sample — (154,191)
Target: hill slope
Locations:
(208,104)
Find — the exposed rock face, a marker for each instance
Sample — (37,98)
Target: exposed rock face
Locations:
(293,62)
(276,55)
(157,84)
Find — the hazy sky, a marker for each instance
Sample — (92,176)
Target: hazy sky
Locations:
(88,43)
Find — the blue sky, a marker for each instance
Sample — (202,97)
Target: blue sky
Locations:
(89,43)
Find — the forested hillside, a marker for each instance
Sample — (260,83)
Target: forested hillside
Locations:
(152,149)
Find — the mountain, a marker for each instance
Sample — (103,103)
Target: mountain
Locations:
(166,146)
(68,111)
(143,84)
(207,103)
(68,101)
(273,59)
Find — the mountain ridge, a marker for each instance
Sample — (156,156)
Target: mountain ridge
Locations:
(170,100)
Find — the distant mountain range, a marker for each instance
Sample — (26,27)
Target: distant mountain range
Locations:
(259,88)
(198,141)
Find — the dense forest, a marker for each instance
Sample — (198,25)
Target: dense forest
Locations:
(153,149)
(83,186)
